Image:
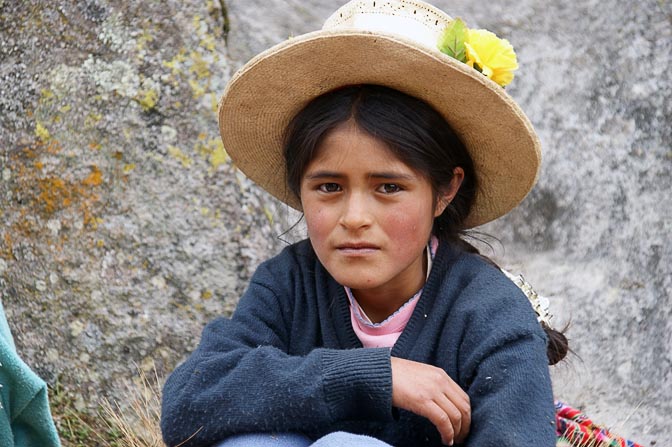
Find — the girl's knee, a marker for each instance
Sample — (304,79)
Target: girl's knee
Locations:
(266,440)
(341,438)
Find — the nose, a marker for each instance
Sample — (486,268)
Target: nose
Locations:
(356,212)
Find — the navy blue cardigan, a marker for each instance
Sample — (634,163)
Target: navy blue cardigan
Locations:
(289,360)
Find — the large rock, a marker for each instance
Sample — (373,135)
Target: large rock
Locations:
(125,229)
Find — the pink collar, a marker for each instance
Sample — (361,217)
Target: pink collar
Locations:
(386,333)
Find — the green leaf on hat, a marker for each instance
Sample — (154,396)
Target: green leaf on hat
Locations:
(452,40)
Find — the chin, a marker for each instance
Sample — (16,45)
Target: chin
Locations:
(359,284)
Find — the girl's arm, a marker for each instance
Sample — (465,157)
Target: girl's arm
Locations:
(504,369)
(511,397)
(241,379)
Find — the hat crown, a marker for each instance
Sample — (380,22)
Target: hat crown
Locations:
(414,20)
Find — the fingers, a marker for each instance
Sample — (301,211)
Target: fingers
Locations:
(452,411)
(452,419)
(429,392)
(458,407)
(440,416)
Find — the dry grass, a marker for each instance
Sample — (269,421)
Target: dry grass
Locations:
(137,425)
(575,438)
(565,442)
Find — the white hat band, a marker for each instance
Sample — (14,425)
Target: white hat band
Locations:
(418,22)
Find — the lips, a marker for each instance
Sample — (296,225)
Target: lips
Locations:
(357,248)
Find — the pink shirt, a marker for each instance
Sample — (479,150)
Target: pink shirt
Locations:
(386,333)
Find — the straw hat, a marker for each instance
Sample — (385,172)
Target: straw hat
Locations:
(391,43)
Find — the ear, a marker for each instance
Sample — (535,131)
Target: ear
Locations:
(448,194)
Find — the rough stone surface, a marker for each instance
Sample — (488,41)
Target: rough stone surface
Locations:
(124,228)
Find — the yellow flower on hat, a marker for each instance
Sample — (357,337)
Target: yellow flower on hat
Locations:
(492,56)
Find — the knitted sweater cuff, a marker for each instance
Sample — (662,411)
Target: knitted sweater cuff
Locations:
(358,383)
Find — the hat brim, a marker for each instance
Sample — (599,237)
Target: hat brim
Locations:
(264,95)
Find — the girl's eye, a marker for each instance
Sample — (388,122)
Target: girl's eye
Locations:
(329,187)
(389,188)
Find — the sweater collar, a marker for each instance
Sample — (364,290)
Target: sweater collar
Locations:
(340,309)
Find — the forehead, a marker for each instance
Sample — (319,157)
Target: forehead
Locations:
(347,146)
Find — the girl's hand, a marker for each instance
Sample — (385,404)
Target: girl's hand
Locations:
(429,392)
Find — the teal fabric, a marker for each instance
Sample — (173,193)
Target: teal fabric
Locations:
(25,420)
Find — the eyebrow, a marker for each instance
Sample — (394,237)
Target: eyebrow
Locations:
(317,175)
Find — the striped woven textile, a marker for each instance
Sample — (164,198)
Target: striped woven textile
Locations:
(575,429)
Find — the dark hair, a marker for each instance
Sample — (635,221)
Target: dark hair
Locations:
(425,142)
(558,346)
(415,133)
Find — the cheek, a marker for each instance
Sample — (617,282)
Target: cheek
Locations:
(410,226)
(317,222)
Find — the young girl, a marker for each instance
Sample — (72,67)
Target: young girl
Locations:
(384,327)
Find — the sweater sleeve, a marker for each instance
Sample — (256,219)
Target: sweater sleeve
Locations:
(511,398)
(242,379)
(505,371)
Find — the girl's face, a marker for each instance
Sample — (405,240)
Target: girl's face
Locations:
(369,218)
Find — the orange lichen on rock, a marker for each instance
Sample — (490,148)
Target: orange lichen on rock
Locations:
(6,247)
(44,194)
(95,178)
(55,194)
(53,147)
